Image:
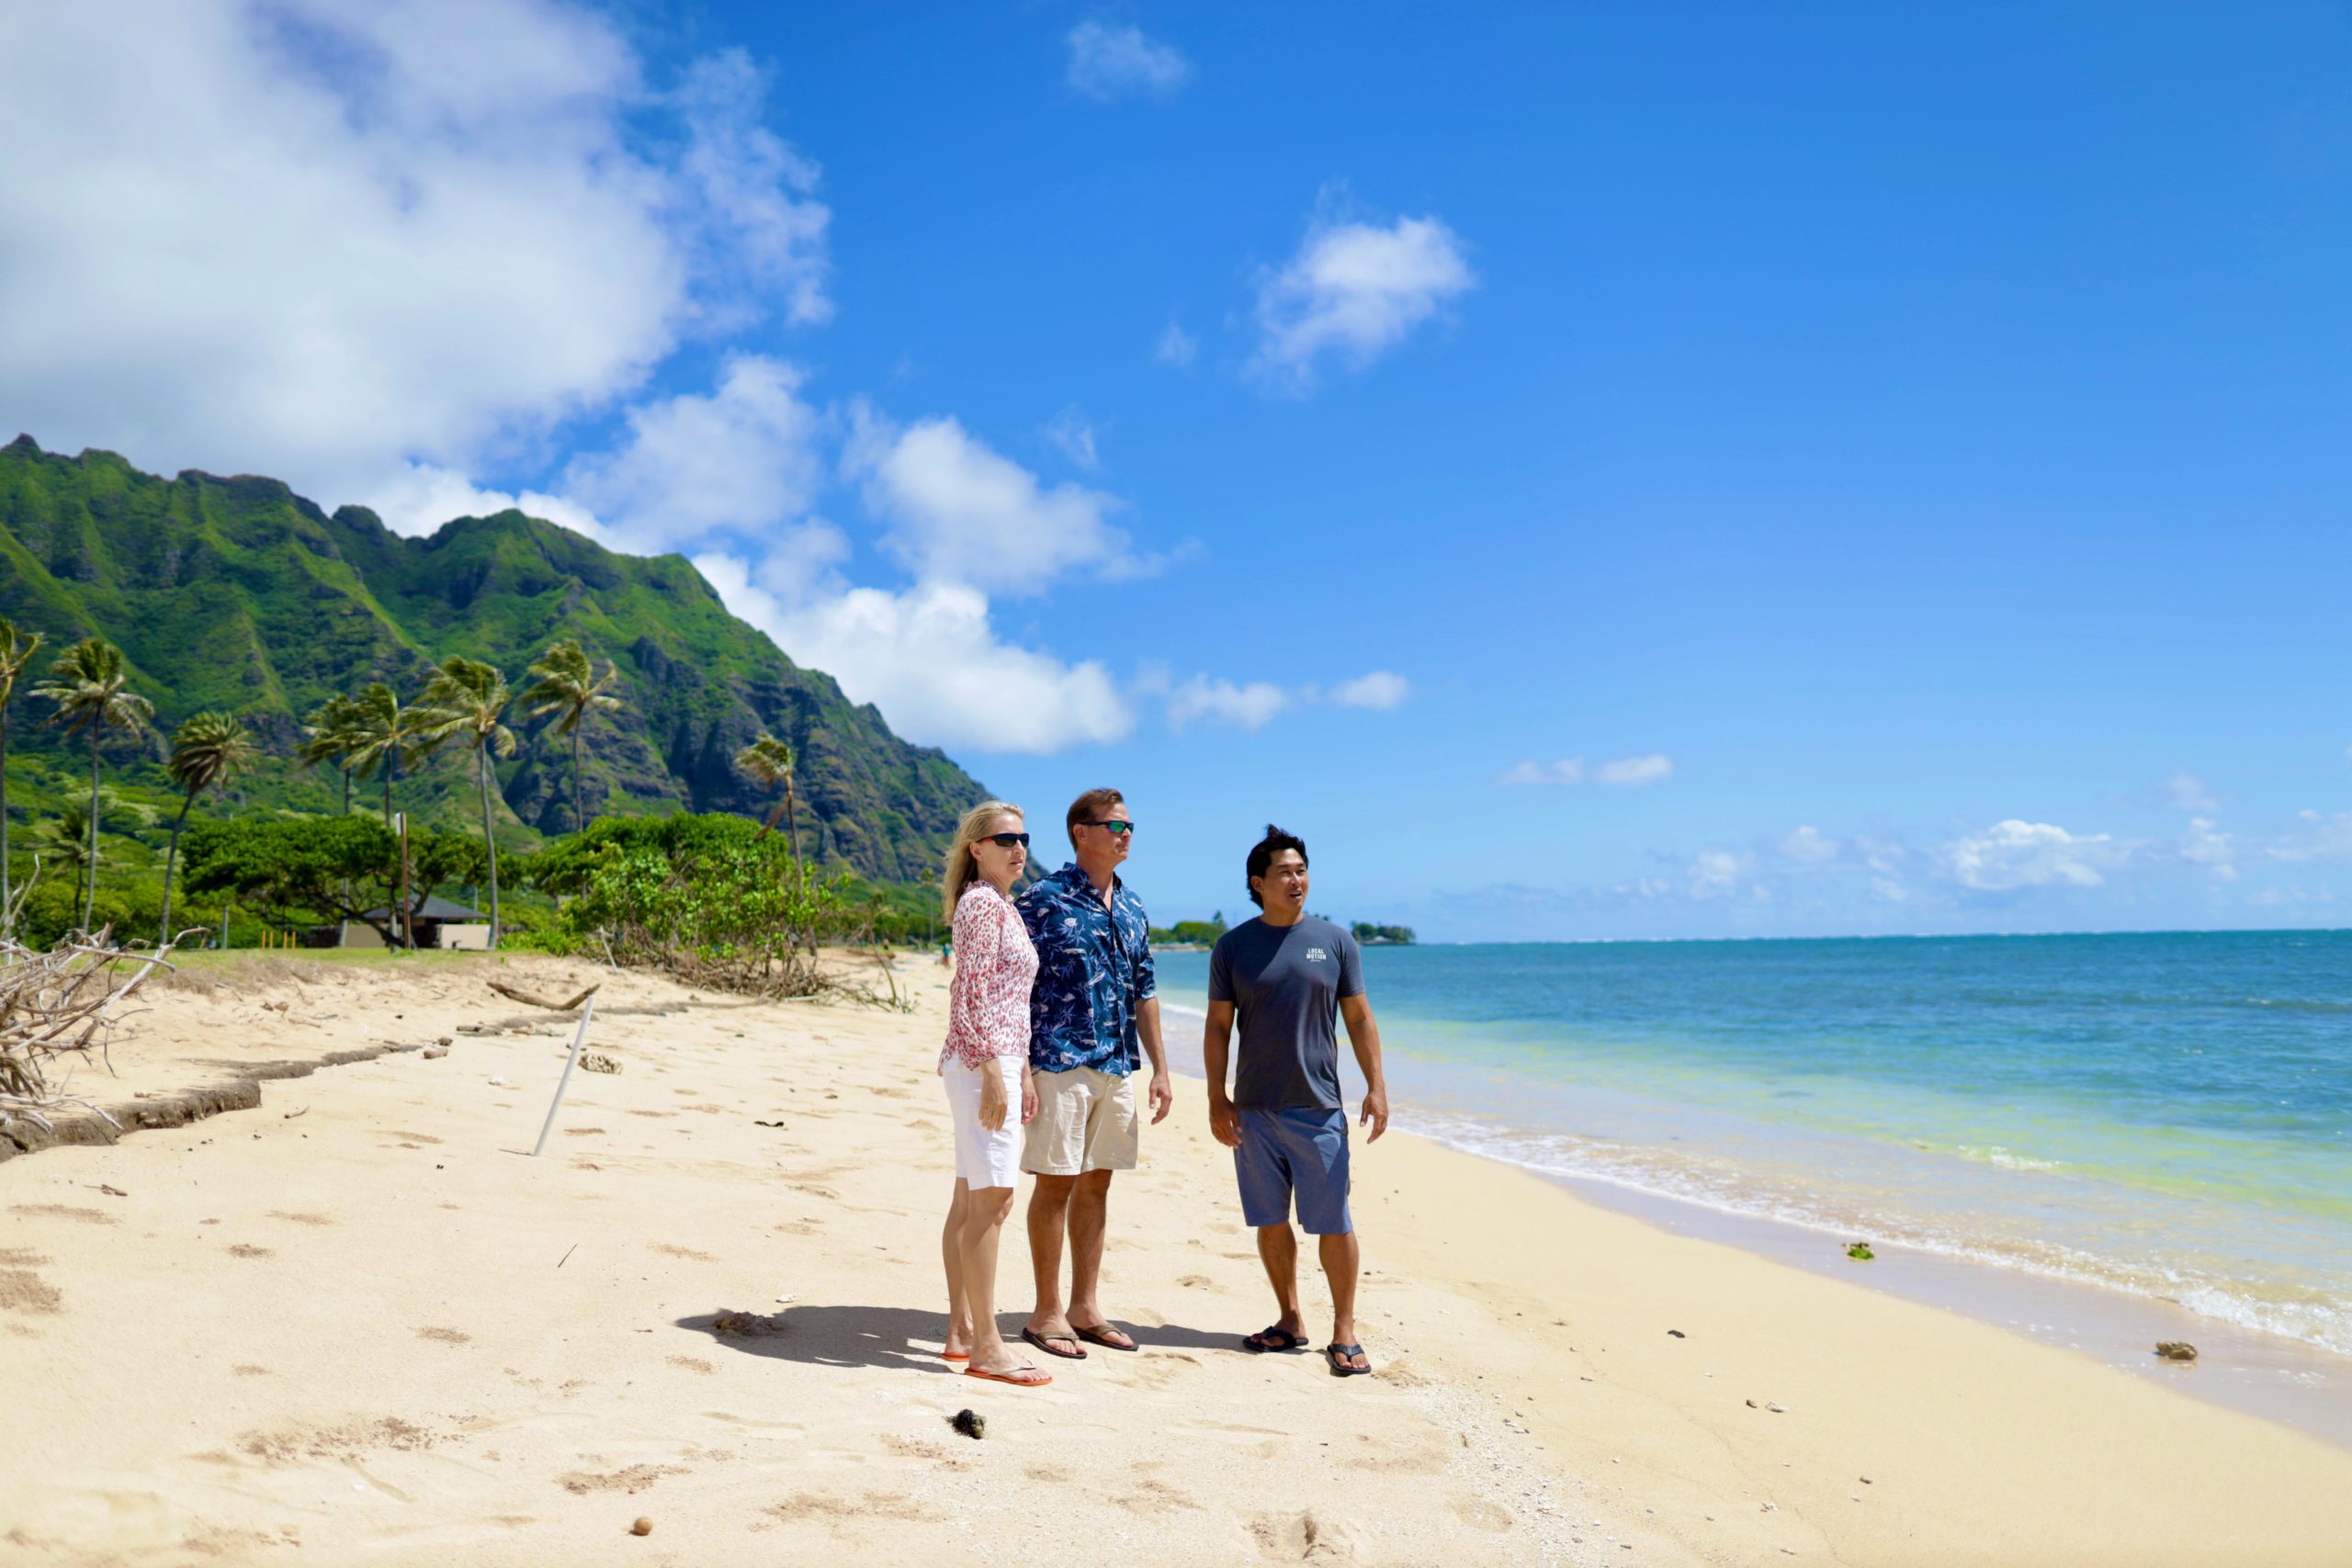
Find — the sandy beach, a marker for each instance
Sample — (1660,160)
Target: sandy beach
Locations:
(358,1322)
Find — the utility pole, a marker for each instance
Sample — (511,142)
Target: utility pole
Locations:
(407,915)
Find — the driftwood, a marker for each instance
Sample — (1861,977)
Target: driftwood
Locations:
(64,1005)
(517,994)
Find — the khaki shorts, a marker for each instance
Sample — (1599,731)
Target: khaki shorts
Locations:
(1085,1121)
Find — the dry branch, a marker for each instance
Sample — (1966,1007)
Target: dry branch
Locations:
(63,1003)
(517,994)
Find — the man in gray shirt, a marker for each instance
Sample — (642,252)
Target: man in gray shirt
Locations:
(1289,976)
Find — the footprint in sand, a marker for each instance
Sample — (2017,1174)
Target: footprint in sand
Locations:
(692,1364)
(300,1219)
(1195,1281)
(685,1252)
(242,1250)
(634,1479)
(61,1212)
(446,1336)
(23,1290)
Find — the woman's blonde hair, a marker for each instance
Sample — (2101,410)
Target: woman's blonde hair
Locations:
(962,869)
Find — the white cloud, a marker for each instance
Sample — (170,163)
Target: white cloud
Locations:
(745,457)
(1625,772)
(1715,873)
(2323,836)
(1073,432)
(1176,347)
(1632,773)
(2015,854)
(2190,795)
(2205,845)
(1378,689)
(750,191)
(1248,707)
(418,498)
(1108,63)
(930,659)
(958,511)
(1566,771)
(1807,847)
(1354,290)
(329,241)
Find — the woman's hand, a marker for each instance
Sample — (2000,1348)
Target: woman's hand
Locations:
(1028,1096)
(992,1101)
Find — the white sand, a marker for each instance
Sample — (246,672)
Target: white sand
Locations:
(377,1330)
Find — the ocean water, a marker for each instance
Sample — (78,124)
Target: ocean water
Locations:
(2164,1115)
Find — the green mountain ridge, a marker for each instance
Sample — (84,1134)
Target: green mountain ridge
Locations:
(239,595)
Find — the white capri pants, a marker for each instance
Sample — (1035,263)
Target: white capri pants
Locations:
(984,1158)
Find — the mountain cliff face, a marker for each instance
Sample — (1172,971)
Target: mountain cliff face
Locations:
(239,595)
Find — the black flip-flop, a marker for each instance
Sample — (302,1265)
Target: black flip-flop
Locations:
(1336,1355)
(1101,1337)
(1046,1342)
(1267,1341)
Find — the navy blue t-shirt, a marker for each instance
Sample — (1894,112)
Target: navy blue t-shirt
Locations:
(1285,983)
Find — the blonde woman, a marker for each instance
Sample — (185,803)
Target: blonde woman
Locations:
(986,1066)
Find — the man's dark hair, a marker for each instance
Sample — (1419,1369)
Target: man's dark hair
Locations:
(1262,853)
(1090,807)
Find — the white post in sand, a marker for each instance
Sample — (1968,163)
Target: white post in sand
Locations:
(587,1012)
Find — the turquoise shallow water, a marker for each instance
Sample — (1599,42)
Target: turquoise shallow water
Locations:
(2165,1115)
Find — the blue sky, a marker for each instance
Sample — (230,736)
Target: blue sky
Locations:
(1595,471)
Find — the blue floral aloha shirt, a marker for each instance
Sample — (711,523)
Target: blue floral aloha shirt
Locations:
(1093,971)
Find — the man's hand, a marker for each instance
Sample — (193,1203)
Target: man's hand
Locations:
(992,1105)
(1376,1113)
(1225,1123)
(1162,1095)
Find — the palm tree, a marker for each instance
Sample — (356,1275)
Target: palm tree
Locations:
(331,735)
(16,651)
(466,699)
(64,840)
(210,748)
(568,686)
(768,761)
(92,693)
(382,734)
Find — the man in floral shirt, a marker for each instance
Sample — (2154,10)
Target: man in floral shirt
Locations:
(1093,1004)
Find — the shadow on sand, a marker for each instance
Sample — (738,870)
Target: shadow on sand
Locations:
(900,1337)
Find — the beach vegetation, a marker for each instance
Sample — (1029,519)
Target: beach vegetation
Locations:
(331,735)
(566,688)
(466,702)
(16,651)
(1369,935)
(767,762)
(313,870)
(208,751)
(91,692)
(712,900)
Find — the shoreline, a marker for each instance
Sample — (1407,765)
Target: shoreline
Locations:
(362,1321)
(2243,1367)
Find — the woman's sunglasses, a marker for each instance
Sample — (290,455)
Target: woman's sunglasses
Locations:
(1007,840)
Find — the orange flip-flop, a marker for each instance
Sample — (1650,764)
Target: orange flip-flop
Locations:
(953,1356)
(1040,1380)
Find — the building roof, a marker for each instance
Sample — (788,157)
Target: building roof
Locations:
(432,909)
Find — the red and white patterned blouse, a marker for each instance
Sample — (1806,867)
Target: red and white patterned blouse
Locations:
(988,999)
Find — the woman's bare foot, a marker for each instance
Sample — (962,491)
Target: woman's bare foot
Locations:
(959,1343)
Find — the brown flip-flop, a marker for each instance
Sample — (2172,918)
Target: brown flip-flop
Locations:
(1102,1336)
(1046,1342)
